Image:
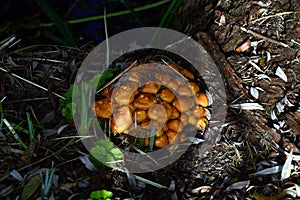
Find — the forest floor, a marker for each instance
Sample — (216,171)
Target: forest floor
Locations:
(256,46)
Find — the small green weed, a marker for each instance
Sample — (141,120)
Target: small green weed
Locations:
(68,106)
(104,153)
(100,195)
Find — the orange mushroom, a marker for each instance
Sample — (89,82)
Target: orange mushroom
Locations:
(194,87)
(144,101)
(166,95)
(184,118)
(161,141)
(202,123)
(193,120)
(150,105)
(199,111)
(183,103)
(184,91)
(202,100)
(172,136)
(139,115)
(187,74)
(151,88)
(172,84)
(121,120)
(103,108)
(125,93)
(175,113)
(175,125)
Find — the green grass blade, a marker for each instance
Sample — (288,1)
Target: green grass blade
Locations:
(171,16)
(30,127)
(167,18)
(15,135)
(152,137)
(135,15)
(60,24)
(48,181)
(115,14)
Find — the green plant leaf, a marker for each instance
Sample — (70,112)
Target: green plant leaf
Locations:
(104,152)
(67,106)
(101,194)
(106,194)
(31,187)
(117,153)
(101,79)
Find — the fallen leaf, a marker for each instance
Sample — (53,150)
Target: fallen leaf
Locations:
(281,74)
(31,187)
(254,92)
(238,185)
(287,167)
(267,171)
(263,76)
(202,189)
(243,47)
(222,20)
(14,173)
(248,106)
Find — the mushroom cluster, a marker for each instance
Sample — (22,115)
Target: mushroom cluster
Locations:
(159,94)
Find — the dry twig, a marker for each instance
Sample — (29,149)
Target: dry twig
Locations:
(264,37)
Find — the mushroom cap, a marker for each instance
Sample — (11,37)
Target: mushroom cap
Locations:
(139,115)
(183,103)
(162,78)
(168,108)
(175,125)
(165,127)
(184,91)
(159,112)
(145,124)
(166,95)
(145,67)
(187,74)
(202,123)
(184,118)
(175,113)
(198,111)
(159,133)
(172,84)
(103,108)
(172,136)
(194,87)
(202,100)
(121,119)
(125,93)
(107,91)
(135,77)
(161,141)
(193,120)
(150,87)
(144,101)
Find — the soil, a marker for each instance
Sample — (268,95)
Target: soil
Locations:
(255,45)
